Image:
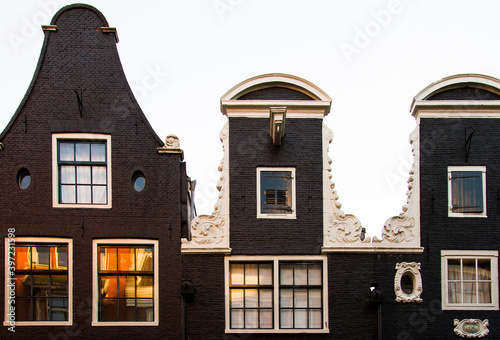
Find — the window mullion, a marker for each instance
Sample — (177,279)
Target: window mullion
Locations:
(276,295)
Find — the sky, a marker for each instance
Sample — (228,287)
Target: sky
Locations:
(370,56)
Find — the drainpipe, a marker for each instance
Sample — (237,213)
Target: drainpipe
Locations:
(376,298)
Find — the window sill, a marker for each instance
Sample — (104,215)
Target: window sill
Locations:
(122,323)
(469,307)
(80,206)
(277,331)
(39,323)
(278,216)
(480,215)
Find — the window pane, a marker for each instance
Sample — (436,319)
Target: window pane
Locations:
(23,309)
(237,298)
(454,269)
(251,298)
(469,269)
(41,309)
(145,310)
(40,257)
(66,152)
(300,274)
(286,318)
(109,310)
(98,153)
(315,274)
(23,285)
(286,298)
(59,257)
(467,191)
(300,298)
(82,152)
(67,174)
(237,273)
(301,318)
(144,257)
(129,289)
(470,292)
(99,175)
(266,298)
(483,269)
(126,310)
(58,285)
(455,292)
(68,194)
(251,274)
(108,286)
(484,291)
(315,318)
(58,309)
(83,174)
(237,319)
(266,274)
(144,286)
(107,258)
(251,318)
(84,195)
(99,194)
(23,257)
(315,300)
(266,318)
(126,259)
(286,274)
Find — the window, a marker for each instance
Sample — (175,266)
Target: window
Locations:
(125,288)
(467,191)
(39,280)
(281,294)
(469,280)
(276,193)
(23,178)
(81,170)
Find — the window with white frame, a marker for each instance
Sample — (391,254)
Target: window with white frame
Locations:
(467,191)
(283,294)
(469,279)
(81,166)
(276,193)
(39,280)
(125,283)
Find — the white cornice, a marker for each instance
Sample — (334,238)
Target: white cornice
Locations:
(260,108)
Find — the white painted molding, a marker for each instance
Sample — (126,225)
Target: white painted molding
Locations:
(341,232)
(471,328)
(210,233)
(412,268)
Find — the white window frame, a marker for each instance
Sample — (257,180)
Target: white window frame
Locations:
(48,241)
(55,168)
(466,168)
(276,292)
(293,215)
(492,255)
(95,282)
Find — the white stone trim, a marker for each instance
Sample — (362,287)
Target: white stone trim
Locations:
(293,215)
(284,80)
(276,260)
(40,240)
(492,255)
(210,233)
(260,108)
(95,283)
(466,168)
(55,168)
(414,269)
(471,328)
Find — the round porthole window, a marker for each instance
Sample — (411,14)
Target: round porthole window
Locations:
(23,178)
(139,181)
(407,283)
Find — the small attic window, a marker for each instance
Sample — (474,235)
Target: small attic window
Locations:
(275,93)
(465,93)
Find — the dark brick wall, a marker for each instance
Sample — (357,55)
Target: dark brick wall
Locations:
(78,56)
(250,146)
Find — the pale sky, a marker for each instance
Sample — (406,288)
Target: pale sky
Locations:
(372,58)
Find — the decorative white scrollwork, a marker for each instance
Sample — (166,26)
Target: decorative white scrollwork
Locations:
(471,328)
(408,271)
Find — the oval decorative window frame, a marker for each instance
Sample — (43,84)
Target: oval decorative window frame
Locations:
(22,175)
(414,269)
